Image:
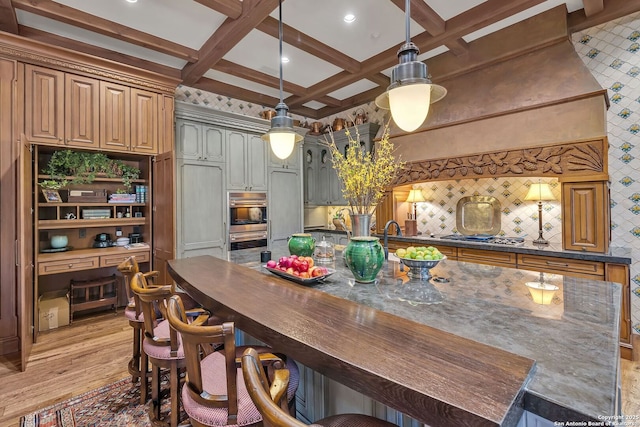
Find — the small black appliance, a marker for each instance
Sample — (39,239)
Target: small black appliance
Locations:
(102,240)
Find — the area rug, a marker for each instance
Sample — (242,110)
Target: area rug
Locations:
(116,404)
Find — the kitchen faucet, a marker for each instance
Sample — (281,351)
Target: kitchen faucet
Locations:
(386,236)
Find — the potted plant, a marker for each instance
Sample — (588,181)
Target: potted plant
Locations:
(364,176)
(78,167)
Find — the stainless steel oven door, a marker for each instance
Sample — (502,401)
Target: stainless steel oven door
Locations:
(247,239)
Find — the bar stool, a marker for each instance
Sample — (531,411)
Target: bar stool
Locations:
(162,344)
(214,393)
(139,363)
(266,396)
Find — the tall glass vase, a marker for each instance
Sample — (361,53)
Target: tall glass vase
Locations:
(360,225)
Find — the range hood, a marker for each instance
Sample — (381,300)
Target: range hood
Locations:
(540,113)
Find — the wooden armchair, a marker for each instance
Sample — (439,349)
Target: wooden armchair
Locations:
(214,393)
(162,344)
(267,395)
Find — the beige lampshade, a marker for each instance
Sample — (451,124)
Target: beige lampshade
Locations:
(415,195)
(539,191)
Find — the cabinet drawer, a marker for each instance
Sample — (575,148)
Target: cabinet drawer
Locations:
(449,251)
(505,259)
(115,259)
(71,264)
(561,265)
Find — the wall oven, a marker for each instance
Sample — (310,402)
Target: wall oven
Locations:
(248,220)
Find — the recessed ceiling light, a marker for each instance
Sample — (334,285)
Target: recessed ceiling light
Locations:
(285,59)
(349,18)
(132,1)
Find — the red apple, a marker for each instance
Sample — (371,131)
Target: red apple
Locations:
(271,264)
(303,266)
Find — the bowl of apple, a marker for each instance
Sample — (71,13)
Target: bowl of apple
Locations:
(300,269)
(420,260)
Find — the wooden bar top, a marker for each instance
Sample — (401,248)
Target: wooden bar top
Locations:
(433,376)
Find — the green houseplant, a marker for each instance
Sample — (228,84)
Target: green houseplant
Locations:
(78,167)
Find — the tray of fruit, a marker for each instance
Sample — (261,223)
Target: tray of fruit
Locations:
(301,270)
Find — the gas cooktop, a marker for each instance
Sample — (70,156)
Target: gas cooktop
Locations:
(486,238)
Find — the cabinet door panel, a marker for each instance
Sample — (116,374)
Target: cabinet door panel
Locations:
(201,208)
(144,121)
(8,202)
(115,111)
(163,225)
(213,144)
(189,140)
(257,159)
(81,109)
(587,206)
(285,201)
(44,105)
(236,160)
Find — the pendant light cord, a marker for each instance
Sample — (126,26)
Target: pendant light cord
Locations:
(407,19)
(280,42)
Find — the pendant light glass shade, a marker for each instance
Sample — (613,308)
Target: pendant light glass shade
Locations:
(282,137)
(410,105)
(410,92)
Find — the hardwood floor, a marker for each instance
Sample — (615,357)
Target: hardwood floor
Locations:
(94,352)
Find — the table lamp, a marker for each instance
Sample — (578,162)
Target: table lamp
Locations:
(411,225)
(540,191)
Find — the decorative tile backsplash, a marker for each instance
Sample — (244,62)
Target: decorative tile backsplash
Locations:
(611,52)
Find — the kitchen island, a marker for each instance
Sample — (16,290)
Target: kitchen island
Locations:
(471,349)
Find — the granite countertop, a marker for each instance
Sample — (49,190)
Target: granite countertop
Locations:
(574,340)
(618,255)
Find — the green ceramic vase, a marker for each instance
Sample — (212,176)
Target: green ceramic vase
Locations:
(302,244)
(364,257)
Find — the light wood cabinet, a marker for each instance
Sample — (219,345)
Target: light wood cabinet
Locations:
(144,121)
(574,267)
(81,111)
(61,108)
(586,209)
(9,337)
(246,161)
(115,112)
(44,105)
(501,259)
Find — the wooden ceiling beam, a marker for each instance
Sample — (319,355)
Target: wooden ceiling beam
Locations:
(486,13)
(379,79)
(53,39)
(310,45)
(8,20)
(78,18)
(426,17)
(458,47)
(613,9)
(230,8)
(225,89)
(226,37)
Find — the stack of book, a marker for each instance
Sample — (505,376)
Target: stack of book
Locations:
(141,193)
(122,198)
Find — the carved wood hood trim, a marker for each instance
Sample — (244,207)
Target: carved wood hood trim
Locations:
(560,160)
(539,114)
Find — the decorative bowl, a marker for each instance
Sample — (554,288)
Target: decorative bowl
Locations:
(419,269)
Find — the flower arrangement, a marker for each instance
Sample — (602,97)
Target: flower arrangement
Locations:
(365,175)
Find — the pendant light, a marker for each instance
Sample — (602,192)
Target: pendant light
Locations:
(282,137)
(410,92)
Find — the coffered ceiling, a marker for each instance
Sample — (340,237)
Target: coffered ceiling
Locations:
(230,47)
